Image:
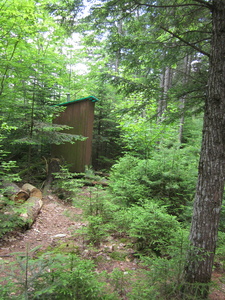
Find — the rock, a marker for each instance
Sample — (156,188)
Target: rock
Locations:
(60,235)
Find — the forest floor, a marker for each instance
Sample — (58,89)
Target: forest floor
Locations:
(57,225)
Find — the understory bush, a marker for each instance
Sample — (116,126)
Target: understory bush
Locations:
(163,276)
(147,224)
(169,178)
(8,220)
(220,250)
(54,276)
(150,226)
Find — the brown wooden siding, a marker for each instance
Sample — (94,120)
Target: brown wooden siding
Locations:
(80,116)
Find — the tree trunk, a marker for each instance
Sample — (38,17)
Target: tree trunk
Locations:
(186,74)
(165,85)
(52,167)
(210,186)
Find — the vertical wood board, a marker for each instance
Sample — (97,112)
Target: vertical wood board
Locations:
(80,116)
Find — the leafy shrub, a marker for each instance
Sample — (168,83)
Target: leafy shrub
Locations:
(220,250)
(163,277)
(9,222)
(152,227)
(96,230)
(65,185)
(100,204)
(149,225)
(71,278)
(56,277)
(125,181)
(222,217)
(119,280)
(168,177)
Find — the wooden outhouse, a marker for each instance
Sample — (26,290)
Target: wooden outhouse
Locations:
(79,114)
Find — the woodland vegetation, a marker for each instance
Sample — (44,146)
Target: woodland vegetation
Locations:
(158,69)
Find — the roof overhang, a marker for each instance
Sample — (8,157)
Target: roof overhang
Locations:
(90,98)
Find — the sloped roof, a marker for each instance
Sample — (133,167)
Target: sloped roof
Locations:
(91,98)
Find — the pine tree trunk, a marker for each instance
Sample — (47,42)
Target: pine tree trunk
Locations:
(186,74)
(165,85)
(210,186)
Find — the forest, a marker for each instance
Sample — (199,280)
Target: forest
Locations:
(151,202)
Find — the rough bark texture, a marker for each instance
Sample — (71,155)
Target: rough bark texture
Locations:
(186,74)
(53,167)
(165,84)
(209,193)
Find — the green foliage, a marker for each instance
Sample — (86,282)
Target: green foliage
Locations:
(140,132)
(119,280)
(97,230)
(220,250)
(8,220)
(34,76)
(107,143)
(6,167)
(100,204)
(150,226)
(222,219)
(163,277)
(65,185)
(99,212)
(54,276)
(169,178)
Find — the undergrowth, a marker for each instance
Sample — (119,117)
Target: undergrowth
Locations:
(159,240)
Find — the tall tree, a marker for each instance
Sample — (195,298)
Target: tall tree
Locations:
(210,187)
(189,25)
(33,72)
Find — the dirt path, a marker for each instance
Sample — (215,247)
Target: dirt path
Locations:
(55,223)
(58,223)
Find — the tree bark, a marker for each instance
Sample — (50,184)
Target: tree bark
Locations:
(165,85)
(52,167)
(186,74)
(210,186)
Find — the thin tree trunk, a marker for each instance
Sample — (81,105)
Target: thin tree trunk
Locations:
(165,85)
(210,186)
(118,52)
(31,124)
(2,83)
(186,71)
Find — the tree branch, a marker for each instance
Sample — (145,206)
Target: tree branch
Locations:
(7,66)
(201,3)
(185,42)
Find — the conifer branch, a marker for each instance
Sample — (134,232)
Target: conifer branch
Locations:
(203,2)
(185,42)
(199,3)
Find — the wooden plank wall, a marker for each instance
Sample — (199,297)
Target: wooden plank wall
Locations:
(80,116)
